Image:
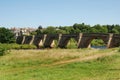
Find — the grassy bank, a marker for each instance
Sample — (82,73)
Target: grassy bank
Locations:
(61,64)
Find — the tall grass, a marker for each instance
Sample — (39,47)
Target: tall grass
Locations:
(37,65)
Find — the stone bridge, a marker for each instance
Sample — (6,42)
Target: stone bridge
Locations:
(83,40)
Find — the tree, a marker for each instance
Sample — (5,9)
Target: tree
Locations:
(49,30)
(33,33)
(40,27)
(99,29)
(6,36)
(110,28)
(116,29)
(81,28)
(38,31)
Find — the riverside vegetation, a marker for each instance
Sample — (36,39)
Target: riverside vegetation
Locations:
(61,64)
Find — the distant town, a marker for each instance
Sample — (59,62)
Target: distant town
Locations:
(22,31)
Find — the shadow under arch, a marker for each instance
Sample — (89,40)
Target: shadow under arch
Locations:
(72,43)
(38,41)
(97,43)
(50,40)
(67,40)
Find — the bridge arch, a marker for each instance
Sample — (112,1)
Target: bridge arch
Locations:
(38,41)
(72,43)
(49,40)
(65,38)
(97,43)
(87,38)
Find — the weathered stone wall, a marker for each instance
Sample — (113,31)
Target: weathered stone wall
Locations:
(83,39)
(28,40)
(65,39)
(87,38)
(49,39)
(20,39)
(38,40)
(115,41)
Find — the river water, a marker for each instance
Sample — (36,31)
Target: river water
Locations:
(99,47)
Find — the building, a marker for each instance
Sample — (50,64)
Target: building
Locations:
(22,31)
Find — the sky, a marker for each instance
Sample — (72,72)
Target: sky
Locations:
(32,13)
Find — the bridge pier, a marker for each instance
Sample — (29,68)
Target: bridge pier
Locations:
(115,41)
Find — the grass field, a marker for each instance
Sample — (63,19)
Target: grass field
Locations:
(61,64)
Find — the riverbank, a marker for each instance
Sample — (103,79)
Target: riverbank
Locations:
(61,64)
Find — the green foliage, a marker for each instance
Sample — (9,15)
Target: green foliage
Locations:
(72,44)
(97,42)
(49,30)
(17,46)
(99,29)
(22,46)
(38,31)
(6,36)
(33,33)
(26,46)
(3,49)
(79,28)
(119,50)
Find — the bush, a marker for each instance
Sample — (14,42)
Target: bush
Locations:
(5,47)
(119,50)
(72,44)
(26,46)
(6,36)
(97,42)
(2,50)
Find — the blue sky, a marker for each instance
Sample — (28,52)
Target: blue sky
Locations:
(32,13)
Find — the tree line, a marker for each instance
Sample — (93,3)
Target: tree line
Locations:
(78,28)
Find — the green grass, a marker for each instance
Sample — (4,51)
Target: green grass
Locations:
(37,65)
(17,46)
